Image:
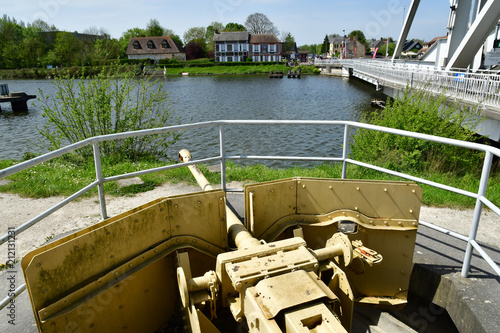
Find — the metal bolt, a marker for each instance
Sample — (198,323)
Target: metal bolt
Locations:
(400,223)
(385,222)
(38,265)
(357,188)
(272,191)
(385,190)
(411,211)
(136,220)
(413,191)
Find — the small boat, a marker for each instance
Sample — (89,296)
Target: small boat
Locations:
(276,75)
(185,73)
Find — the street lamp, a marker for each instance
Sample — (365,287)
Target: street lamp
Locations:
(344,48)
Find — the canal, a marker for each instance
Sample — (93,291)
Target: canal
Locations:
(205,98)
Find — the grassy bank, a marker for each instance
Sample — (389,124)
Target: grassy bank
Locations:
(64,177)
(192,68)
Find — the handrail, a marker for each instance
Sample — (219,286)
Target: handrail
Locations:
(480,196)
(478,87)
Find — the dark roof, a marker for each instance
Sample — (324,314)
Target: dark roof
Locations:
(410,45)
(156,43)
(232,36)
(263,38)
(376,43)
(336,40)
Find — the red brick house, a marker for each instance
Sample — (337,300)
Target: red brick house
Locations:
(265,47)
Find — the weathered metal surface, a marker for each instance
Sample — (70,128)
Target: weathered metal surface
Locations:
(385,214)
(273,294)
(134,271)
(133,248)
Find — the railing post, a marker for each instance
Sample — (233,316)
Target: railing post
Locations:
(345,151)
(100,185)
(222,158)
(477,212)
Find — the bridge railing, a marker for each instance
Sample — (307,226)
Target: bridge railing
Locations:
(481,88)
(345,126)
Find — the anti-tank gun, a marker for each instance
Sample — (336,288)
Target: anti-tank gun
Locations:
(310,249)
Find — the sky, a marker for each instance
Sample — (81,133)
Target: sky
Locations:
(307,21)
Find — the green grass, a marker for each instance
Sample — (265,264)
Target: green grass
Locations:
(245,69)
(191,68)
(63,177)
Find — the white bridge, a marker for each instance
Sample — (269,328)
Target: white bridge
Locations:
(465,67)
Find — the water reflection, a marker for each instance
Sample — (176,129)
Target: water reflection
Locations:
(196,99)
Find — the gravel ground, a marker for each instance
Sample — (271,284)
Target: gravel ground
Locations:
(85,212)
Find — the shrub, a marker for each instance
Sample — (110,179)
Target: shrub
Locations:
(419,111)
(112,101)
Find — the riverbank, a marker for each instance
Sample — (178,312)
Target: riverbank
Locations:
(194,68)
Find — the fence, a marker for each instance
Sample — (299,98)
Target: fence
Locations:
(346,126)
(478,88)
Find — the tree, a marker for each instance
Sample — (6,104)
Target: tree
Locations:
(177,39)
(112,102)
(66,47)
(325,47)
(125,38)
(258,23)
(209,34)
(359,35)
(234,27)
(194,33)
(288,42)
(383,48)
(154,28)
(196,49)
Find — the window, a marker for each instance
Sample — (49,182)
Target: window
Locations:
(229,47)
(136,45)
(164,44)
(223,48)
(151,45)
(272,48)
(217,48)
(256,48)
(229,59)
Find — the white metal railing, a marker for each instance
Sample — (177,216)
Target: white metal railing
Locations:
(327,62)
(480,87)
(347,126)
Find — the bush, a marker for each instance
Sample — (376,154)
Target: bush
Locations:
(112,101)
(419,111)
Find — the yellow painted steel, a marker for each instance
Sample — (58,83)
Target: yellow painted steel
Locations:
(134,272)
(385,214)
(120,274)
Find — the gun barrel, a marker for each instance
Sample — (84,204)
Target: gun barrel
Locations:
(239,233)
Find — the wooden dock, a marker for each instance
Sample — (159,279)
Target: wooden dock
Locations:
(17,100)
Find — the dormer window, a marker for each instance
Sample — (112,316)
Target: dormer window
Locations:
(151,45)
(136,45)
(164,44)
